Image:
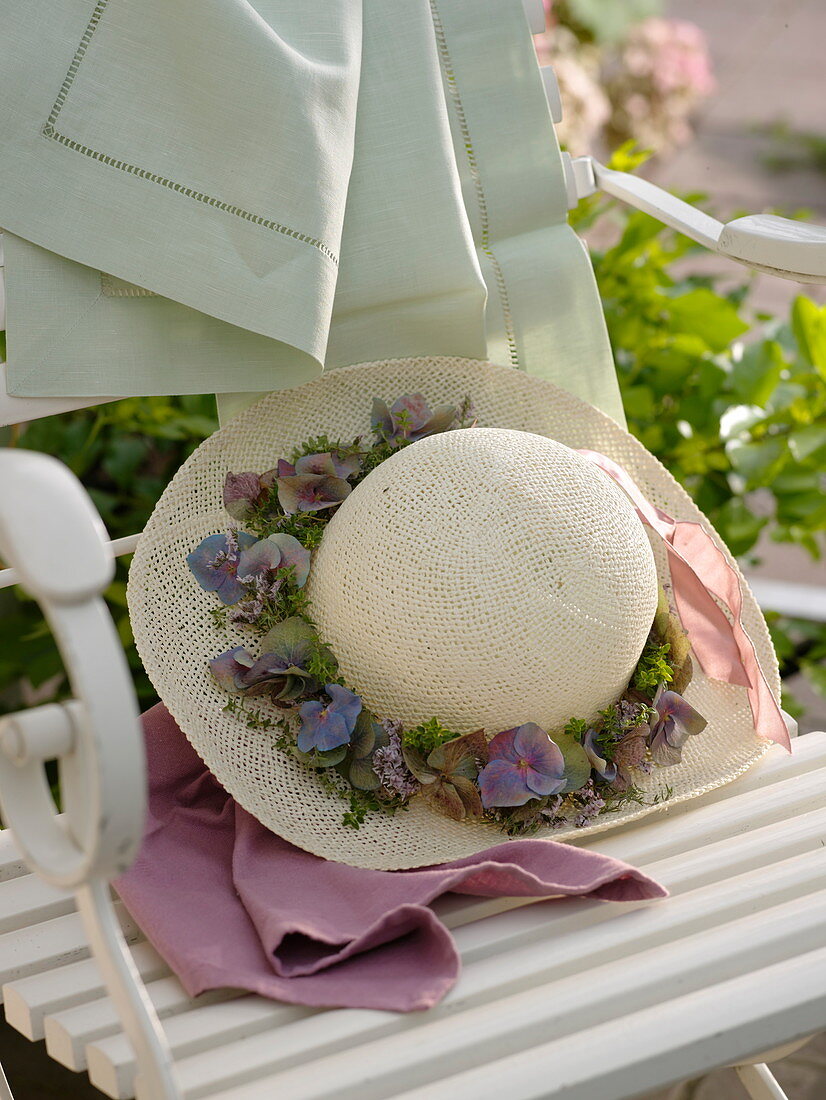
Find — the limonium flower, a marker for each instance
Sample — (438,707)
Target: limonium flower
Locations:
(410,418)
(326,726)
(676,721)
(524,764)
(388,764)
(214,564)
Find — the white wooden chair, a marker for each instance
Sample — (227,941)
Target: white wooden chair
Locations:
(567,999)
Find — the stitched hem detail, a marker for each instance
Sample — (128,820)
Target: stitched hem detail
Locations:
(473,166)
(113,287)
(50,131)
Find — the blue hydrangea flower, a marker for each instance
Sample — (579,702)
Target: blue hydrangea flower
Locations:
(327,727)
(214,564)
(524,764)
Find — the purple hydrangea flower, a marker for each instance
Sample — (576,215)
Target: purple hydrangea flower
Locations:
(278,551)
(325,463)
(279,672)
(410,418)
(214,564)
(524,764)
(228,666)
(244,492)
(676,721)
(327,727)
(311,492)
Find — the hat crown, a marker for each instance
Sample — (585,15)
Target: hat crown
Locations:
(487,577)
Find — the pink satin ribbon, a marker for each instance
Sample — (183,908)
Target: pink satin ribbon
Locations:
(699,571)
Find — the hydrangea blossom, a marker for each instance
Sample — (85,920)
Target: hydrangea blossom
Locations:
(524,764)
(214,564)
(246,491)
(327,463)
(676,721)
(275,552)
(311,492)
(280,671)
(410,418)
(327,727)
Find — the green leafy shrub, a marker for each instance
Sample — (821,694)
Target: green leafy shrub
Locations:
(125,454)
(742,425)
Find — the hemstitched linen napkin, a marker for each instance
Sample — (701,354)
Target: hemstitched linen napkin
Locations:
(229,904)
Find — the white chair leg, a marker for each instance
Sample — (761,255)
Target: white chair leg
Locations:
(760,1083)
(140,1021)
(5,1091)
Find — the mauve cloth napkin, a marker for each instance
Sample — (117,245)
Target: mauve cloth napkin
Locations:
(228,903)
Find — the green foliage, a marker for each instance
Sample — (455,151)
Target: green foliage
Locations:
(125,454)
(594,20)
(425,737)
(653,667)
(738,424)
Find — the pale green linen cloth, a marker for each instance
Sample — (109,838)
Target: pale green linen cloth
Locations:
(297,185)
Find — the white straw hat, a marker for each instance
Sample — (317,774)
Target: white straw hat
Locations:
(443,590)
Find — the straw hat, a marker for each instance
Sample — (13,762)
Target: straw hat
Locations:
(490,577)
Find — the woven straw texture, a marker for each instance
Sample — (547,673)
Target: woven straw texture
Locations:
(473,575)
(176,637)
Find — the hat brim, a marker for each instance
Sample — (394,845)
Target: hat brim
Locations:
(176,637)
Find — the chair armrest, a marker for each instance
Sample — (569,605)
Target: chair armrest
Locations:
(788,249)
(52,536)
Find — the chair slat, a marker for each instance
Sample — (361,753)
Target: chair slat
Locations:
(51,944)
(28,900)
(724,858)
(69,1031)
(413,1056)
(689,1041)
(525,952)
(29,1000)
(753,847)
(12,863)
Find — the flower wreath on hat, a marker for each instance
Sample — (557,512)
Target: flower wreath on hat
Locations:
(287,684)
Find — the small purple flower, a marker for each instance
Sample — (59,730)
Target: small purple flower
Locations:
(677,721)
(214,564)
(311,492)
(605,770)
(278,551)
(410,418)
(388,764)
(327,727)
(326,463)
(524,764)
